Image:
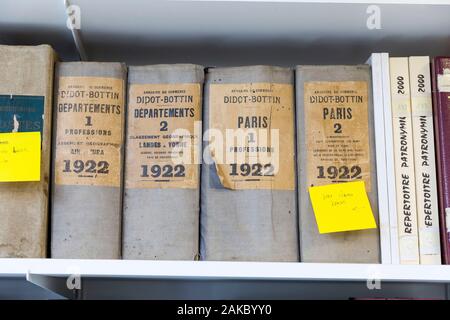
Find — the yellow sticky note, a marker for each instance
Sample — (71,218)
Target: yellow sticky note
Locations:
(342,207)
(20,156)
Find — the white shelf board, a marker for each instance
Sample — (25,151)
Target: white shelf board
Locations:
(127,279)
(224,270)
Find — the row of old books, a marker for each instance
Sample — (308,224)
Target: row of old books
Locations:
(410,97)
(175,162)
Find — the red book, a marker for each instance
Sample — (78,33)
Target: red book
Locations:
(441,113)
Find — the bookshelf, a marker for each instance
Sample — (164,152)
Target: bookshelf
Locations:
(225,33)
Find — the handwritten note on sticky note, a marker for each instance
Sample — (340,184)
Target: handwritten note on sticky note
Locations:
(342,207)
(20,156)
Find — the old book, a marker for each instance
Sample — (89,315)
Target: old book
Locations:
(441,113)
(390,167)
(335,113)
(88,152)
(404,161)
(162,190)
(248,200)
(375,62)
(424,160)
(25,106)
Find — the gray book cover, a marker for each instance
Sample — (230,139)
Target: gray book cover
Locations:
(25,106)
(248,219)
(335,143)
(88,134)
(161,198)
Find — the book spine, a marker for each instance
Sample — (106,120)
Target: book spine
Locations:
(88,160)
(424,160)
(26,89)
(404,161)
(249,216)
(162,195)
(441,107)
(316,132)
(390,167)
(380,144)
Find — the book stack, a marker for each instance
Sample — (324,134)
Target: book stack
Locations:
(410,232)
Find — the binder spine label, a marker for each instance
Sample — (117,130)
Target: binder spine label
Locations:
(89,133)
(337,132)
(21,113)
(447,219)
(163,135)
(443,81)
(251,135)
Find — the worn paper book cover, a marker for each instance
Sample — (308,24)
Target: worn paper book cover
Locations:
(161,208)
(424,160)
(335,144)
(26,106)
(248,201)
(404,161)
(88,134)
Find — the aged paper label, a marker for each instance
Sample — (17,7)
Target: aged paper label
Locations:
(163,136)
(337,132)
(21,113)
(90,113)
(251,135)
(443,82)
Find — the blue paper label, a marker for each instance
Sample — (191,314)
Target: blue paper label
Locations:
(21,113)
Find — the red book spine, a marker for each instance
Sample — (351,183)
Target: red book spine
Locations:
(441,114)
